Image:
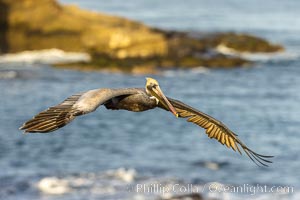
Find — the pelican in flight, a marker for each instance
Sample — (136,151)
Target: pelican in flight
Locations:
(136,100)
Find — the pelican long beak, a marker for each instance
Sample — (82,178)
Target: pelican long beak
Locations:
(163,99)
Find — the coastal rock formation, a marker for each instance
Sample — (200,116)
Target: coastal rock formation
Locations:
(115,43)
(44,24)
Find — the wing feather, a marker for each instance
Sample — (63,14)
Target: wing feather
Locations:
(217,130)
(58,116)
(54,117)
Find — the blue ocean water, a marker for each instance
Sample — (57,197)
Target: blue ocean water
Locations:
(104,154)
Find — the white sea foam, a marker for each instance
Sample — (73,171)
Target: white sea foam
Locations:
(123,182)
(54,186)
(46,56)
(199,70)
(211,165)
(96,184)
(8,74)
(186,72)
(221,48)
(123,174)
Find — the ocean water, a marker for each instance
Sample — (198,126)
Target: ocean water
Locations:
(112,154)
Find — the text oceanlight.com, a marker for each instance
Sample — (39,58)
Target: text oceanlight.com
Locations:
(157,188)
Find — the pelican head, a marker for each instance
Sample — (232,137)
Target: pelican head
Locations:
(153,90)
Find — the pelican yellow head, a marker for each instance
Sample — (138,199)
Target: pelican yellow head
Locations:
(153,89)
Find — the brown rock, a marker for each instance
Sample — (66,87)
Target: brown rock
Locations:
(115,43)
(44,24)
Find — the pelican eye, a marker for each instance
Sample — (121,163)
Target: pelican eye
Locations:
(154,85)
(149,87)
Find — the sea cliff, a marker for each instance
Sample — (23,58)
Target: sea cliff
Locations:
(115,43)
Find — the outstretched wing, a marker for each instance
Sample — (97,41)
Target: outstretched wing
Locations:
(54,117)
(58,116)
(217,130)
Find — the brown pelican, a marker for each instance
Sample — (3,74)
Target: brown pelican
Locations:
(136,100)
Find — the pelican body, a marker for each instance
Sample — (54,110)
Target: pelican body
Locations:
(136,100)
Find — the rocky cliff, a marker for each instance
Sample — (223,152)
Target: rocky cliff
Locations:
(114,42)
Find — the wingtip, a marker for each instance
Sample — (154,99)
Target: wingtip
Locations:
(25,132)
(261,159)
(21,127)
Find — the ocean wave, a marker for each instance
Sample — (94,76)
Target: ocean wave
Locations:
(54,185)
(122,174)
(114,184)
(8,74)
(211,164)
(46,56)
(185,72)
(105,183)
(258,56)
